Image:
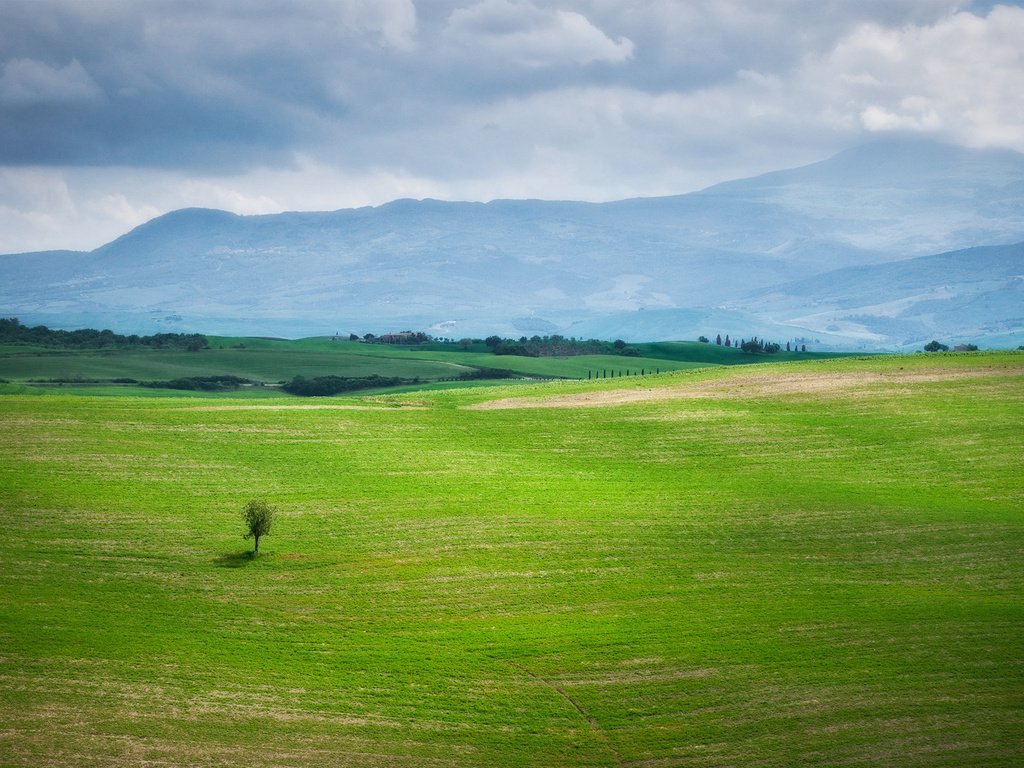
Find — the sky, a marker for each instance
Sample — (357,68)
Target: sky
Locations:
(113,112)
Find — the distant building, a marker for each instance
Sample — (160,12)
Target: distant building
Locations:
(406,337)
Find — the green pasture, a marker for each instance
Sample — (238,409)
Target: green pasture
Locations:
(261,364)
(274,360)
(575,367)
(816,563)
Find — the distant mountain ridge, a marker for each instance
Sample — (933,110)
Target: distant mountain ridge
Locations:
(794,253)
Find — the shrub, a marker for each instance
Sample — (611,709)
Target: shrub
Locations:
(325,386)
(219,383)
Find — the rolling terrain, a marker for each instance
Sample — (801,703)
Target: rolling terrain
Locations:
(972,293)
(808,563)
(739,258)
(270,362)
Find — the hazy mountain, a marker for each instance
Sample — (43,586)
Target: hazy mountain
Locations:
(964,295)
(759,253)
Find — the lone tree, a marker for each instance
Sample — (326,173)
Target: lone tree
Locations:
(258,516)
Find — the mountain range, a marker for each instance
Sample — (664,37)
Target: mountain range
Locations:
(883,246)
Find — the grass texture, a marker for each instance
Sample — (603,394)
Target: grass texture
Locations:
(814,563)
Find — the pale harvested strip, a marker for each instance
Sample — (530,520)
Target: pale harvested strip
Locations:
(766,384)
(305,407)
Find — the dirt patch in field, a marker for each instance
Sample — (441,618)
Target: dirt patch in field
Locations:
(762,384)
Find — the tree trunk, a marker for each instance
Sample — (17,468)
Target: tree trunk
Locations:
(256,547)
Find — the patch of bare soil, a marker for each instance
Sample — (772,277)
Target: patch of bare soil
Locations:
(761,384)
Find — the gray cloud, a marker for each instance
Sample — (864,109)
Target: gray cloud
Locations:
(229,83)
(257,105)
(30,83)
(518,33)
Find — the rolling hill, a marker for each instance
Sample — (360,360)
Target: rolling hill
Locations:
(673,267)
(804,564)
(965,294)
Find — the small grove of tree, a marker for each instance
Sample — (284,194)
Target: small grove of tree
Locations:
(551,346)
(487,373)
(554,345)
(934,346)
(258,516)
(758,346)
(325,386)
(218,383)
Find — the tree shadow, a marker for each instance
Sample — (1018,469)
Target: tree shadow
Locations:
(235,559)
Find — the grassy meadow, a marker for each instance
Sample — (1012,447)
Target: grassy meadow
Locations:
(804,563)
(270,361)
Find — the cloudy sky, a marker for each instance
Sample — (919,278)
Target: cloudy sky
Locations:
(115,111)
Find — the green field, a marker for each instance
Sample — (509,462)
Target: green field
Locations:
(807,563)
(270,361)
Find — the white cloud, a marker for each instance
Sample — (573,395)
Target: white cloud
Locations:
(392,22)
(518,32)
(52,208)
(60,208)
(961,78)
(921,119)
(306,185)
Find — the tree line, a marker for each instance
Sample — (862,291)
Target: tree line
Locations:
(13,332)
(556,346)
(325,386)
(215,383)
(754,346)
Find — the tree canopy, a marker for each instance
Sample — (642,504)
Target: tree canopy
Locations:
(258,516)
(13,332)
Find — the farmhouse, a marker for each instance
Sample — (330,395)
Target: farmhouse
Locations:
(405,337)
